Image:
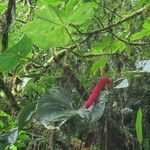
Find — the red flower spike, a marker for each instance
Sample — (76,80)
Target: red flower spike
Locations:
(96,91)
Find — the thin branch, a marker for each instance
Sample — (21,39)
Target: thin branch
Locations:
(24,22)
(138,12)
(122,40)
(76,29)
(6,24)
(90,34)
(130,43)
(108,9)
(85,55)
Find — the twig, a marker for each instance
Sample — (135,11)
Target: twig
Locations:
(130,43)
(138,12)
(95,55)
(90,34)
(120,39)
(108,9)
(24,22)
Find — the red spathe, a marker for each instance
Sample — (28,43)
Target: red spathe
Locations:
(96,91)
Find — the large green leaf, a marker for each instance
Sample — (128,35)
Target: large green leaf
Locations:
(45,35)
(8,61)
(12,56)
(22,48)
(139,126)
(52,15)
(47,2)
(81,14)
(55,106)
(48,29)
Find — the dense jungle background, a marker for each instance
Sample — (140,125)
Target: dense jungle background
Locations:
(52,53)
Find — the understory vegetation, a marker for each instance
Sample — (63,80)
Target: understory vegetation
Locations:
(52,54)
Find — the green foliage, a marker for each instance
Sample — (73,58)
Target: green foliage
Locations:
(47,31)
(99,64)
(53,23)
(55,46)
(144,32)
(139,126)
(117,46)
(146,144)
(32,86)
(81,14)
(7,122)
(13,56)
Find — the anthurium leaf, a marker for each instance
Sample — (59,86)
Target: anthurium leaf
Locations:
(99,107)
(55,106)
(26,114)
(9,138)
(139,126)
(12,56)
(85,113)
(143,65)
(94,112)
(81,14)
(45,35)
